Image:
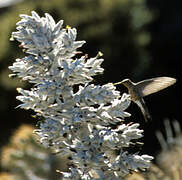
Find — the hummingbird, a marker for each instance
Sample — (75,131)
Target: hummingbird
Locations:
(143,88)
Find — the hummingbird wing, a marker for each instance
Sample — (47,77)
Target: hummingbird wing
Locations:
(144,109)
(153,85)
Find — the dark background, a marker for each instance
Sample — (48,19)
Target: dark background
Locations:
(139,40)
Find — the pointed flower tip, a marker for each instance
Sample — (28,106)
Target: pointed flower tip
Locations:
(11,38)
(68,27)
(18,89)
(99,54)
(34,116)
(12,76)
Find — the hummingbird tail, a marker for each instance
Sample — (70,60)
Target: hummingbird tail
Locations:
(144,109)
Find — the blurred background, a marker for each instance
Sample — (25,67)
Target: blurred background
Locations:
(140,39)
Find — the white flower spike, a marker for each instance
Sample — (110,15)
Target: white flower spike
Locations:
(88,124)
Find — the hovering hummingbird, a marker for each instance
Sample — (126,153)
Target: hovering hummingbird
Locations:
(143,88)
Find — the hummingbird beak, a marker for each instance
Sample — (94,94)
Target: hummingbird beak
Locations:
(117,83)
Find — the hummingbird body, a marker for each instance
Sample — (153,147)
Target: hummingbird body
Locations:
(132,89)
(143,88)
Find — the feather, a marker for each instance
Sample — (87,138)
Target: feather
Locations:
(153,85)
(144,109)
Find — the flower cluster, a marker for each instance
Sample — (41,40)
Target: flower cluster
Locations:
(81,119)
(25,159)
(170,159)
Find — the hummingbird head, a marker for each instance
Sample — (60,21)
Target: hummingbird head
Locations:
(126,82)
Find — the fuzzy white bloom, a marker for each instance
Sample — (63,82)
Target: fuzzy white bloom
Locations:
(81,119)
